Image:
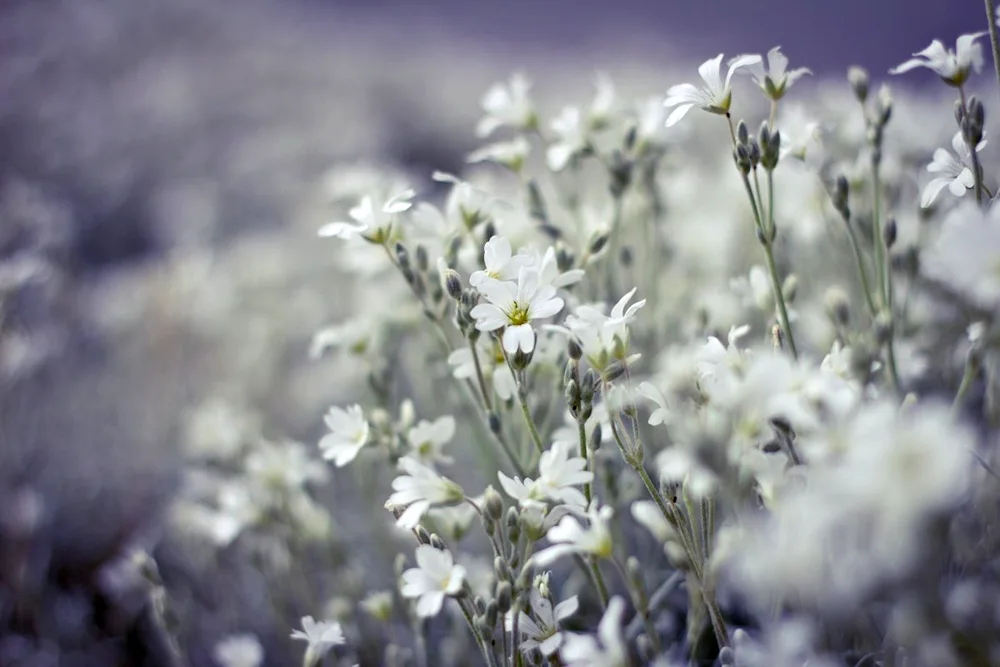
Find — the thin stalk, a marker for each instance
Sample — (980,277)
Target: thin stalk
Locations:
(641,607)
(582,432)
(522,401)
(991,20)
(487,652)
(968,377)
(602,588)
(884,269)
(977,169)
(862,272)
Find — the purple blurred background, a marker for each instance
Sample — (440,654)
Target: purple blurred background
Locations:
(829,36)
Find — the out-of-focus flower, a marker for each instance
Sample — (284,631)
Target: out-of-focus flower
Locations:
(348,434)
(775,78)
(603,338)
(569,536)
(514,306)
(607,649)
(510,154)
(952,66)
(955,172)
(372,218)
(428,438)
(322,636)
(435,577)
(492,363)
(239,651)
(418,489)
(715,94)
(571,138)
(966,255)
(508,105)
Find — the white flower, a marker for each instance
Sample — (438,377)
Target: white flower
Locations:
(513,307)
(322,637)
(956,173)
(715,96)
(348,434)
(952,66)
(501,263)
(435,577)
(543,634)
(549,273)
(239,651)
(966,255)
(418,489)
(466,203)
(801,134)
(571,138)
(507,106)
(648,514)
(569,536)
(428,438)
(754,289)
(559,472)
(776,78)
(284,465)
(608,649)
(603,337)
(510,154)
(660,414)
(372,218)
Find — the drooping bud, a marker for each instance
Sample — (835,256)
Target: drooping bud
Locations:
(493,503)
(858,78)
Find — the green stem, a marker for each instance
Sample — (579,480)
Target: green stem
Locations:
(582,431)
(522,401)
(602,588)
(641,602)
(862,272)
(977,169)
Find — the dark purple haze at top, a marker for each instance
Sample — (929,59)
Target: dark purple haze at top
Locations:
(828,35)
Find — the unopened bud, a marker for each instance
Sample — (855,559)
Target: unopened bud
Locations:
(574,349)
(505,596)
(420,254)
(838,306)
(402,256)
(501,569)
(883,327)
(453,283)
(422,535)
(438,543)
(597,243)
(742,133)
(790,288)
(858,78)
(493,503)
(494,421)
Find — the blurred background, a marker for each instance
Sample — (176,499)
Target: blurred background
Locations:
(163,169)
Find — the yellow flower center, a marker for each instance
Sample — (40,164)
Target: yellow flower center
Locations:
(517,315)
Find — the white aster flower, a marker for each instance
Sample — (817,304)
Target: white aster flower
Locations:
(500,262)
(322,636)
(952,66)
(348,434)
(239,651)
(428,438)
(372,218)
(511,154)
(775,79)
(418,489)
(514,306)
(572,138)
(714,96)
(560,471)
(607,649)
(569,536)
(955,172)
(541,629)
(435,577)
(507,105)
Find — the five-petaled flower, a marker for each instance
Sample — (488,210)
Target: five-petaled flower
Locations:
(569,536)
(559,472)
(607,649)
(955,173)
(418,489)
(435,577)
(541,629)
(322,636)
(714,96)
(514,306)
(952,66)
(348,434)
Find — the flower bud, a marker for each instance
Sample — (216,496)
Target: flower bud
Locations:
(574,349)
(597,243)
(494,421)
(841,192)
(493,612)
(422,535)
(838,306)
(453,283)
(437,542)
(889,232)
(883,327)
(501,569)
(493,503)
(742,133)
(790,288)
(505,596)
(858,78)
